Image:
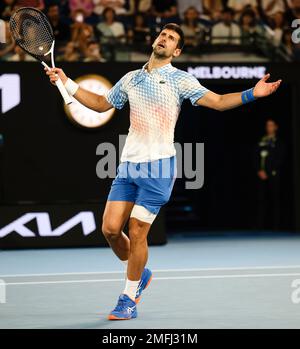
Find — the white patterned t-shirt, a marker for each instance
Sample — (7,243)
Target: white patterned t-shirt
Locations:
(155,100)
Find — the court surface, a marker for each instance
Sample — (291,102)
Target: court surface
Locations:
(199,282)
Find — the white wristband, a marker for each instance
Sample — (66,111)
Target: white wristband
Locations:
(71,86)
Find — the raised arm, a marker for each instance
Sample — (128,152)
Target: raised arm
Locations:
(89,99)
(233,100)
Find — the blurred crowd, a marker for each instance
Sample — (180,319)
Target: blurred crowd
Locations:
(91,30)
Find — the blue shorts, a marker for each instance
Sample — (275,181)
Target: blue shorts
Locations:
(148,184)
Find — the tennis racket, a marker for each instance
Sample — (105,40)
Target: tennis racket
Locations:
(33,33)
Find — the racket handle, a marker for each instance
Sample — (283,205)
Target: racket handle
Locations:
(63,91)
(61,87)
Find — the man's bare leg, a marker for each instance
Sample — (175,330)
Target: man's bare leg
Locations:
(138,256)
(115,216)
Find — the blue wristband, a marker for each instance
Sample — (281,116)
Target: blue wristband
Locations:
(248,96)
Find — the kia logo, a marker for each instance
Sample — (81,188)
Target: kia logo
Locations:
(44,227)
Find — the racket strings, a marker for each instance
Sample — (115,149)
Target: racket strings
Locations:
(32,31)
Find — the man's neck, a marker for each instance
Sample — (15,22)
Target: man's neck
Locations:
(155,63)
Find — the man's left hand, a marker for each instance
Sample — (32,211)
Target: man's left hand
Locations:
(264,88)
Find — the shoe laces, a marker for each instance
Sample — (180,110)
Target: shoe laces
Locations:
(121,304)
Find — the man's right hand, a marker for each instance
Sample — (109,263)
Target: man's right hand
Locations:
(262,175)
(53,74)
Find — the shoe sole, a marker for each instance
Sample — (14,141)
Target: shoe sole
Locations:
(148,283)
(115,318)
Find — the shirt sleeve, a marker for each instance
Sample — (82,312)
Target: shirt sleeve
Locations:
(117,96)
(190,88)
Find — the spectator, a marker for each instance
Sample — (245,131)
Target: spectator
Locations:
(269,159)
(140,33)
(6,9)
(278,27)
(288,42)
(60,29)
(164,9)
(271,7)
(192,29)
(7,49)
(249,27)
(140,6)
(226,32)
(110,29)
(240,5)
(117,5)
(64,8)
(213,8)
(275,23)
(71,54)
(183,5)
(2,31)
(292,10)
(20,56)
(81,32)
(293,49)
(38,4)
(86,5)
(93,52)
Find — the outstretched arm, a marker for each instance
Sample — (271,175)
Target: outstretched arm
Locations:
(89,99)
(233,100)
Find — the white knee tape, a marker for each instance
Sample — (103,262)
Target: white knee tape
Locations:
(142,214)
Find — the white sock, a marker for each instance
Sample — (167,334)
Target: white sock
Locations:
(131,288)
(125,263)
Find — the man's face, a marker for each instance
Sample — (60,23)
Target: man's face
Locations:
(165,45)
(271,127)
(93,50)
(227,17)
(110,16)
(53,12)
(247,20)
(191,14)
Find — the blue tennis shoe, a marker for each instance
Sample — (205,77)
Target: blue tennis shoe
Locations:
(125,309)
(144,283)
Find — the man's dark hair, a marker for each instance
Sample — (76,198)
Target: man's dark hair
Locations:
(107,9)
(229,10)
(251,14)
(176,28)
(272,120)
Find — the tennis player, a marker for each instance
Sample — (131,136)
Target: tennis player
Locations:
(147,171)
